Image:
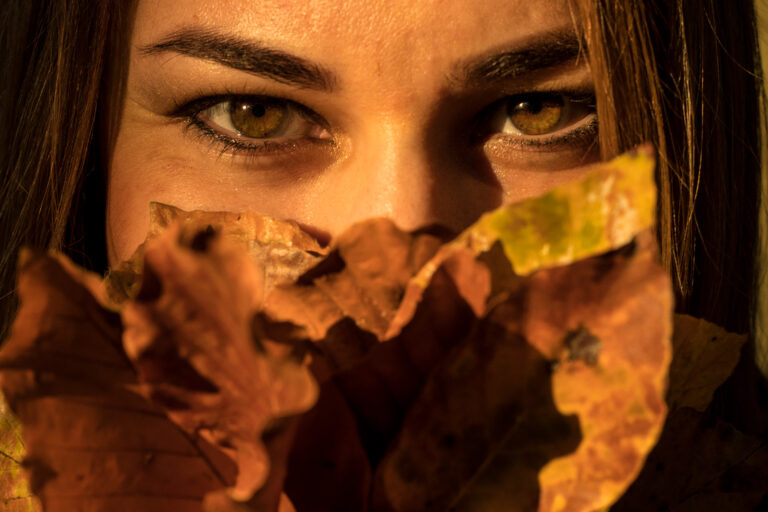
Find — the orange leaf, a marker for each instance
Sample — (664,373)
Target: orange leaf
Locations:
(280,248)
(188,332)
(92,441)
(488,430)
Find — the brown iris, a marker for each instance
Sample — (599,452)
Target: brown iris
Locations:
(537,116)
(257,120)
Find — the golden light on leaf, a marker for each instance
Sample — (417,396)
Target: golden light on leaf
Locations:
(235,364)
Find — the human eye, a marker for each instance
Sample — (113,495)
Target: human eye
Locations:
(254,125)
(546,120)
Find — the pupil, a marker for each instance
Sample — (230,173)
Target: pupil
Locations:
(258,110)
(534,107)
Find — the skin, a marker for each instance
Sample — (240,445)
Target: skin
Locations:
(400,130)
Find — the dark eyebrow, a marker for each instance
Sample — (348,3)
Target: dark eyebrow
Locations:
(550,51)
(245,55)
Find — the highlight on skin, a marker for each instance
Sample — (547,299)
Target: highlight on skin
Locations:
(330,113)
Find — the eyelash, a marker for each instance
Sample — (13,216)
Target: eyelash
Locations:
(563,136)
(190,112)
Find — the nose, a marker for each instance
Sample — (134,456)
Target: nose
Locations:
(411,173)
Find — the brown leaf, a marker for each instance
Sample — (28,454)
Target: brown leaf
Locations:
(188,332)
(352,302)
(366,387)
(701,464)
(705,355)
(363,278)
(434,361)
(280,248)
(489,417)
(93,442)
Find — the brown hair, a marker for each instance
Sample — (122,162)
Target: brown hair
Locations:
(64,66)
(687,77)
(684,75)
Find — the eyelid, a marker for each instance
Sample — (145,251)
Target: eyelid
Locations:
(198,105)
(190,113)
(581,129)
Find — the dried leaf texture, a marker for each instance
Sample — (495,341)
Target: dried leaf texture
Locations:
(189,334)
(93,443)
(467,309)
(280,248)
(573,361)
(234,364)
(15,495)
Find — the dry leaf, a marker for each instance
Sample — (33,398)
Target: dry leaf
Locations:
(520,366)
(487,429)
(363,278)
(704,357)
(188,332)
(280,248)
(15,495)
(93,443)
(701,464)
(437,313)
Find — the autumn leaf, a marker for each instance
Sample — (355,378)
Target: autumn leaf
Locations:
(188,333)
(234,364)
(15,495)
(705,355)
(92,441)
(387,361)
(554,369)
(363,278)
(280,248)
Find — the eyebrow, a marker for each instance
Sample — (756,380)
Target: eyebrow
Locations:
(258,59)
(249,56)
(550,51)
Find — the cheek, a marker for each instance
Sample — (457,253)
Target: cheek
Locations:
(142,172)
(129,192)
(521,181)
(163,169)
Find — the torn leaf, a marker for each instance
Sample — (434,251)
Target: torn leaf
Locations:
(93,443)
(188,333)
(495,429)
(281,248)
(234,364)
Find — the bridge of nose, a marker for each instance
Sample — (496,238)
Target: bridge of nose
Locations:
(394,169)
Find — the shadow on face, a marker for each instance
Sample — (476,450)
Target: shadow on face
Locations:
(331,112)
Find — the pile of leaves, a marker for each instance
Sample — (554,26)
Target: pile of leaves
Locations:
(234,364)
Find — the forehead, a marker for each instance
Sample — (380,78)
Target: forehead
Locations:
(375,36)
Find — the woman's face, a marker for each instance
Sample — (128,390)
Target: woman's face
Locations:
(328,111)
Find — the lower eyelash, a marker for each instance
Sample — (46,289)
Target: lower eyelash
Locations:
(586,134)
(234,147)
